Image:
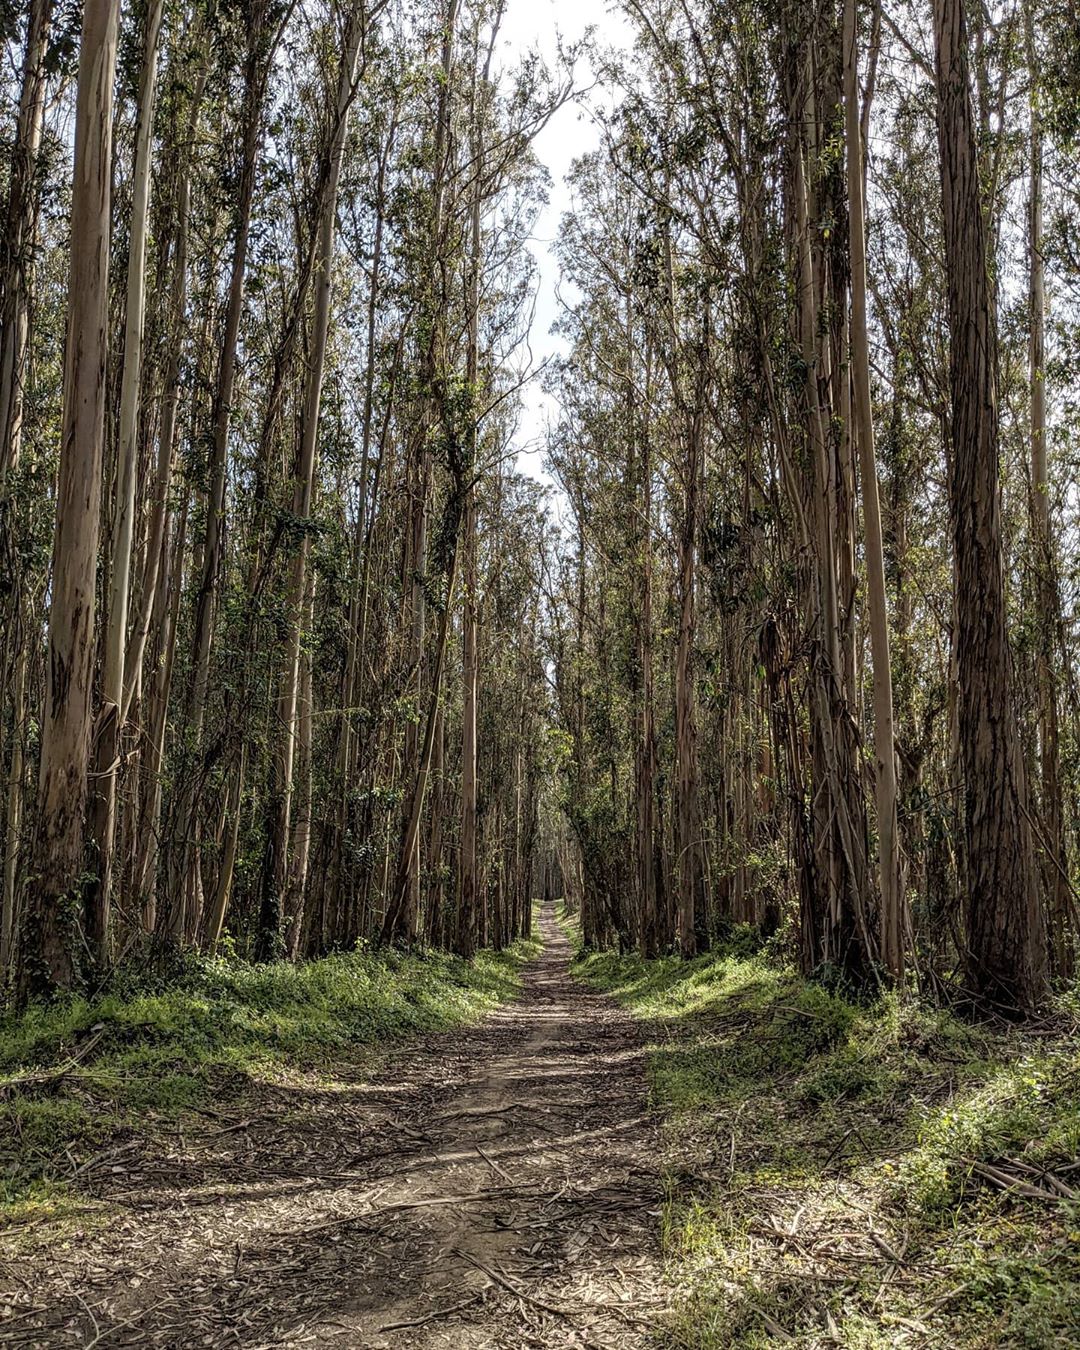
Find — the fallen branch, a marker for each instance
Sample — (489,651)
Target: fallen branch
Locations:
(512,1286)
(50,1077)
(502,1172)
(433,1316)
(1006,1181)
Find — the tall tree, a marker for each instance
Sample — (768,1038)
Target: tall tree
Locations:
(1005,952)
(109,722)
(276,873)
(892,921)
(52,922)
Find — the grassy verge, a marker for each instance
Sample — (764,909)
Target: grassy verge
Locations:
(843,1175)
(76,1077)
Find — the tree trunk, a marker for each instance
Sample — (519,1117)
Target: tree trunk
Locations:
(468,879)
(300,855)
(17,249)
(1056,861)
(108,726)
(15,795)
(687,847)
(170,401)
(1005,955)
(186,902)
(275,879)
(399,900)
(468,884)
(892,919)
(49,933)
(165,619)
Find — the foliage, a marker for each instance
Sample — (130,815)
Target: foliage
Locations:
(823,1161)
(76,1076)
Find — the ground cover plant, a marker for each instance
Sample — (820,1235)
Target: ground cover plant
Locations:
(860,1174)
(81,1076)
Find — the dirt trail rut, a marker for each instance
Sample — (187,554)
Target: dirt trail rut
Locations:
(496,1187)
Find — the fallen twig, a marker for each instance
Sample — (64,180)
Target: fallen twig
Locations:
(512,1286)
(433,1316)
(43,1077)
(119,1326)
(494,1165)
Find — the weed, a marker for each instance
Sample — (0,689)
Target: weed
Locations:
(138,1059)
(824,1160)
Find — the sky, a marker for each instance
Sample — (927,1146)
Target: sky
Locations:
(570,133)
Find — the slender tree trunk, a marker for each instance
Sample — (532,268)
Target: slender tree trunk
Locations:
(49,933)
(17,247)
(893,922)
(640,431)
(276,874)
(215,917)
(687,844)
(1056,862)
(1005,957)
(406,869)
(468,883)
(437,935)
(108,726)
(352,686)
(468,878)
(300,855)
(15,794)
(170,401)
(400,920)
(165,619)
(187,902)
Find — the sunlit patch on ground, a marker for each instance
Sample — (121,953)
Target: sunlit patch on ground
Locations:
(858,1176)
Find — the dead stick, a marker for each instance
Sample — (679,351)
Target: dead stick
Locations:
(512,1287)
(433,1316)
(494,1165)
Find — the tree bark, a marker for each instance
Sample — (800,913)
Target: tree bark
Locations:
(1005,955)
(49,957)
(108,726)
(892,917)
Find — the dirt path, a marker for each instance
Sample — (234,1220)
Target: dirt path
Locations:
(492,1188)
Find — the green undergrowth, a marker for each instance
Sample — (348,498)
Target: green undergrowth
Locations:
(78,1077)
(830,1165)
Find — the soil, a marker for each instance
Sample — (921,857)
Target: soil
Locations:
(496,1187)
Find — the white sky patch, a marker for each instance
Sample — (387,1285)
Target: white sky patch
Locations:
(569,134)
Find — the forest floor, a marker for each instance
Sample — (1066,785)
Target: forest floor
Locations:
(865,1175)
(496,1186)
(568,1149)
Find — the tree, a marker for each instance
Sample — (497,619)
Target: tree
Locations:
(1005,946)
(109,722)
(893,921)
(50,953)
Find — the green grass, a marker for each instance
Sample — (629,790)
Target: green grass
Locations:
(823,1162)
(145,1058)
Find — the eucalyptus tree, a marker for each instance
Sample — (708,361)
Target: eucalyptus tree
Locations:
(107,728)
(50,948)
(1004,934)
(276,877)
(21,214)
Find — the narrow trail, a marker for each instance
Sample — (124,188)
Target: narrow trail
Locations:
(495,1187)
